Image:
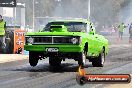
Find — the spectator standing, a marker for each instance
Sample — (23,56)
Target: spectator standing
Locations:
(121,30)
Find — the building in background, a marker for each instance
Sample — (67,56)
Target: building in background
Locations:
(14,16)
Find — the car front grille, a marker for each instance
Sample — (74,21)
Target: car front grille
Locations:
(42,39)
(53,40)
(62,40)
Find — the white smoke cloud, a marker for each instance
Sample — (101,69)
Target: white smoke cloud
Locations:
(126,13)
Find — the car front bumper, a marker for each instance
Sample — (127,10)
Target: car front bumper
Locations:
(61,48)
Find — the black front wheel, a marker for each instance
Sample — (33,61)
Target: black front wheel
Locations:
(33,59)
(99,61)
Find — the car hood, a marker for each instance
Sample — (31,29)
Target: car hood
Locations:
(55,34)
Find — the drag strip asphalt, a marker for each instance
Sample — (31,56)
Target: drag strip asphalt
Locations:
(19,74)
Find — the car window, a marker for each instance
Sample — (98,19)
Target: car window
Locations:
(71,26)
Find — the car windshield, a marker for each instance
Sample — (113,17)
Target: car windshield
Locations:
(71,26)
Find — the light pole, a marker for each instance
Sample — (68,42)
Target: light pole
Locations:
(89,3)
(33,15)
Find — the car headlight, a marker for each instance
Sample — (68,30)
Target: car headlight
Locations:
(74,40)
(30,40)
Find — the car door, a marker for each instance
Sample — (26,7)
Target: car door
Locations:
(91,42)
(99,40)
(94,38)
(97,43)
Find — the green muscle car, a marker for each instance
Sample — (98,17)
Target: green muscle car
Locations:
(67,39)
